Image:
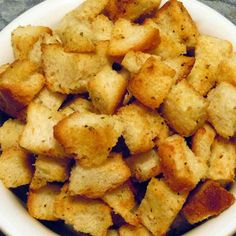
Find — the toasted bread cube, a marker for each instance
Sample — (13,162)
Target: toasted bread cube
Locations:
(10,133)
(129,230)
(122,201)
(130,10)
(160,206)
(210,199)
(50,99)
(84,215)
(48,169)
(185,109)
(227,70)
(153,82)
(182,66)
(69,72)
(181,168)
(107,89)
(102,28)
(222,161)
(144,166)
(78,104)
(209,53)
(93,182)
(88,137)
(202,142)
(142,127)
(112,232)
(15,167)
(127,36)
(40,202)
(19,84)
(4,67)
(23,39)
(37,136)
(221,110)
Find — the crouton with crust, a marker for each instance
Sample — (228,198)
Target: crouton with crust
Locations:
(181,168)
(160,207)
(184,109)
(94,182)
(209,199)
(152,83)
(130,230)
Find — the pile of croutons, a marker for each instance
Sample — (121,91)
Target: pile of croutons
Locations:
(120,94)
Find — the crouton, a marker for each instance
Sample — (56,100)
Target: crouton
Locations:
(130,10)
(23,39)
(37,136)
(221,110)
(202,142)
(160,206)
(19,84)
(144,166)
(88,137)
(227,70)
(127,36)
(65,72)
(142,127)
(15,167)
(50,99)
(122,201)
(180,166)
(93,182)
(129,230)
(222,161)
(40,203)
(112,232)
(4,67)
(84,215)
(209,53)
(153,83)
(10,133)
(210,199)
(78,104)
(107,89)
(184,109)
(182,66)
(48,169)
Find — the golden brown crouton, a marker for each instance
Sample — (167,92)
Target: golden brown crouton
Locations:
(122,201)
(153,82)
(141,127)
(37,135)
(69,72)
(185,109)
(40,202)
(84,215)
(50,99)
(144,166)
(18,86)
(88,137)
(23,39)
(4,67)
(48,169)
(107,89)
(10,133)
(209,53)
(127,36)
(95,181)
(222,161)
(112,232)
(180,166)
(227,70)
(15,167)
(160,206)
(129,230)
(78,104)
(131,9)
(221,110)
(210,199)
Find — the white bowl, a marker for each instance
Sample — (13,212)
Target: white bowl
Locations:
(14,219)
